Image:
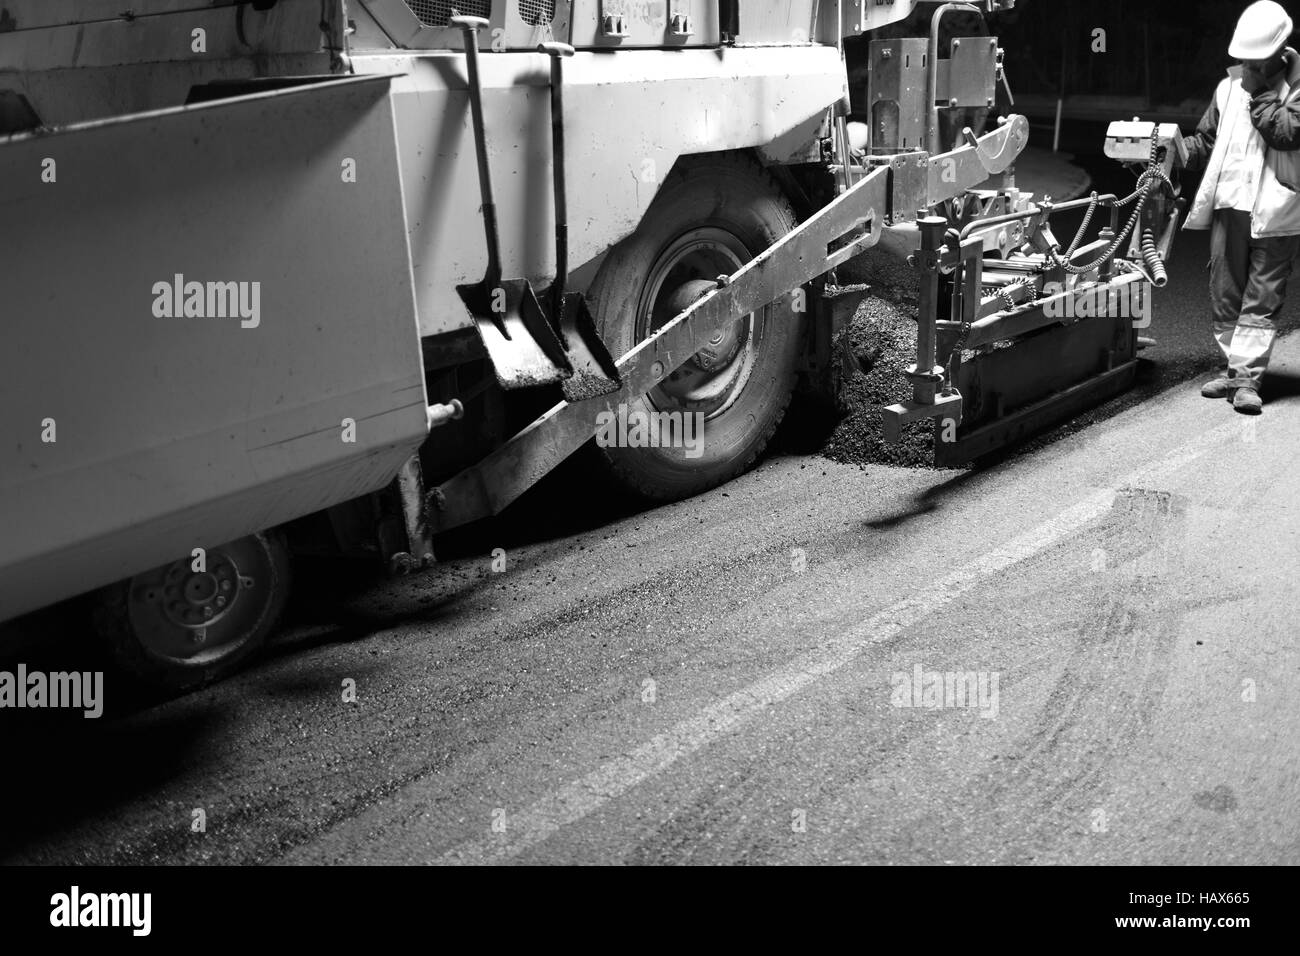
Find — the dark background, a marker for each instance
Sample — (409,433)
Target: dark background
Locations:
(1170,53)
(1163,58)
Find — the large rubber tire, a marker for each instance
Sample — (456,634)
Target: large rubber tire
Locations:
(711,215)
(143,639)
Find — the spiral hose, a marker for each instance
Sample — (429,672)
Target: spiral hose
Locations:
(1146,184)
(1159,277)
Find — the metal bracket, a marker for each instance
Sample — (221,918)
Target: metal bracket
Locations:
(679,19)
(613,19)
(946,406)
(910,187)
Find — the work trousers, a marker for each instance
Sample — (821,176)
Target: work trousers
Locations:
(1248,279)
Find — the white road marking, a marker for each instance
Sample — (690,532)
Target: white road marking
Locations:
(584,796)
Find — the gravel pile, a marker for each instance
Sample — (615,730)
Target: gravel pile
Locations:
(883,337)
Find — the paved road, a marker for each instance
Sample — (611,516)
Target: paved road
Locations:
(750,676)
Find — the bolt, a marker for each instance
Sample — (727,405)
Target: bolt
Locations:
(956,44)
(221,602)
(886,54)
(953,101)
(200,635)
(207,610)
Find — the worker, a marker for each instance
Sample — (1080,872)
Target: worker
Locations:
(1248,144)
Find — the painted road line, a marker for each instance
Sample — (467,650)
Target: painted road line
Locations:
(585,795)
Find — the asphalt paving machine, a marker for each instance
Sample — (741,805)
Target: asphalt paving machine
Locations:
(284,272)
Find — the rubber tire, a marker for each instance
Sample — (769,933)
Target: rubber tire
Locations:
(730,191)
(112,625)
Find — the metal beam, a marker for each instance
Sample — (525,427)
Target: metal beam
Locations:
(1053,310)
(484,489)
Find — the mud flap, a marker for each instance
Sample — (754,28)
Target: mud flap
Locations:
(209,328)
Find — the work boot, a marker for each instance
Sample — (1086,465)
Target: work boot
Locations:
(1220,387)
(1247,400)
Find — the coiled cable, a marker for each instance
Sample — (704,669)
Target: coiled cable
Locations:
(1146,184)
(1159,277)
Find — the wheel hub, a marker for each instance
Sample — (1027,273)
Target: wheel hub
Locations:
(183,614)
(724,343)
(196,599)
(711,379)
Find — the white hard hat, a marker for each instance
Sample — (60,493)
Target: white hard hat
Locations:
(1261,32)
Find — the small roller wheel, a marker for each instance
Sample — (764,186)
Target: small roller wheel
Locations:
(189,623)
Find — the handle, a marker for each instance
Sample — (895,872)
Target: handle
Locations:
(469,26)
(464,23)
(557,52)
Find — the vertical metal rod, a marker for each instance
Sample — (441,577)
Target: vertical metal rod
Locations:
(845,150)
(419,536)
(557,52)
(932,230)
(1060,97)
(561,193)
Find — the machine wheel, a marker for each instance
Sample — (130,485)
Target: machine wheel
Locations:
(176,628)
(713,214)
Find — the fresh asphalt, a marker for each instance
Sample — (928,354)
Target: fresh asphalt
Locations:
(733,679)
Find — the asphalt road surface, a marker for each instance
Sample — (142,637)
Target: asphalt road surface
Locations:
(758,675)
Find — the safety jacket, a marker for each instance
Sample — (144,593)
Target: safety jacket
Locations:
(1224,145)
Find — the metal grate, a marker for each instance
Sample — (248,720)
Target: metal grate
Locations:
(436,13)
(537,12)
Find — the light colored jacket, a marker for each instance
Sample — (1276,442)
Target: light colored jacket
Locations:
(1233,117)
